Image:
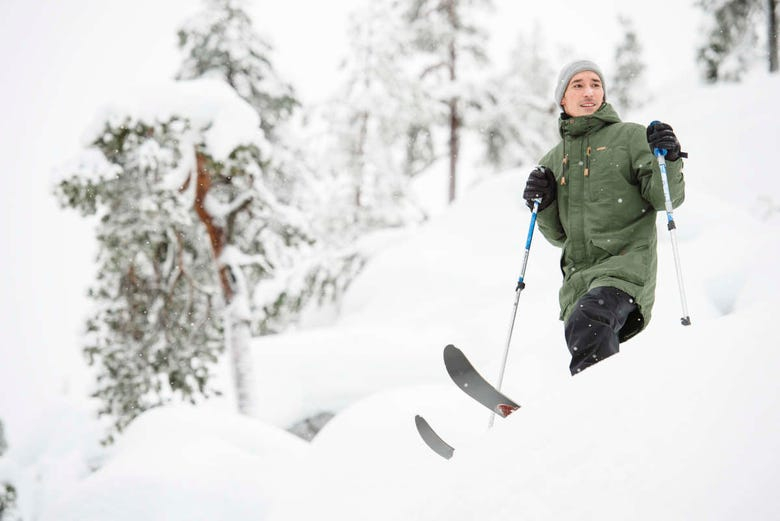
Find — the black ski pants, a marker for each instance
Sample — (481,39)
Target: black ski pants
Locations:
(592,328)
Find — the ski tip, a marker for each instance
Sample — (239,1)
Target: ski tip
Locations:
(433,440)
(450,348)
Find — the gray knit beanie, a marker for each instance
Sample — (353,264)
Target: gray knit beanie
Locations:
(568,72)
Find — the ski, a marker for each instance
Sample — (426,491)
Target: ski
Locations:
(467,378)
(433,440)
(474,384)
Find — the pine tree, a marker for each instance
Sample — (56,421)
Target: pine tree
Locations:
(772,33)
(157,328)
(733,38)
(516,112)
(370,119)
(184,234)
(8,510)
(626,88)
(7,490)
(450,49)
(220,41)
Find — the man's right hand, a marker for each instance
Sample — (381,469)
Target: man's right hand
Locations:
(540,185)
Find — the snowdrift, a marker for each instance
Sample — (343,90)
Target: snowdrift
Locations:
(683,424)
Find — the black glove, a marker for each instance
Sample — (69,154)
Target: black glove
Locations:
(660,135)
(540,184)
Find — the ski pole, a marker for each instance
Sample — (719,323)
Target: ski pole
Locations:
(518,289)
(660,155)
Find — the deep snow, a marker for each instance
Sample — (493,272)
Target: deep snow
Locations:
(683,424)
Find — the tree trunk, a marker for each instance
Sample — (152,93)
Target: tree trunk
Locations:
(360,161)
(772,16)
(453,104)
(236,325)
(454,146)
(237,339)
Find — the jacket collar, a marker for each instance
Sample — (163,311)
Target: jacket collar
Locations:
(579,126)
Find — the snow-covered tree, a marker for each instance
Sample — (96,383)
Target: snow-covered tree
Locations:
(449,59)
(517,115)
(187,227)
(772,35)
(221,42)
(370,120)
(157,327)
(626,88)
(734,37)
(8,510)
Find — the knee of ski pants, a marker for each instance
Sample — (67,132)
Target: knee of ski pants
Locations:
(592,328)
(605,305)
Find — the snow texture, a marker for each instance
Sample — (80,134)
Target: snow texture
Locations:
(212,107)
(683,424)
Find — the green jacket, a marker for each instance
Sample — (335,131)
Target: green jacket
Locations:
(608,191)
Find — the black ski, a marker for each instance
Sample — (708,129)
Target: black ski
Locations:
(433,440)
(472,383)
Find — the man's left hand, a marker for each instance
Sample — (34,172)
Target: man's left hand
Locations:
(661,136)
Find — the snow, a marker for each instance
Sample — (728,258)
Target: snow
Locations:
(156,474)
(683,424)
(210,106)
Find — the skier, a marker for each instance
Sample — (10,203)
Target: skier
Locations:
(600,188)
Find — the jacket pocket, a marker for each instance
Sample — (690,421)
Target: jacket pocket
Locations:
(608,173)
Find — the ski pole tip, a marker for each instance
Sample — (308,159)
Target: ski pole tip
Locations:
(686,321)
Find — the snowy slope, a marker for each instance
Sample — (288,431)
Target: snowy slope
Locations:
(185,463)
(683,424)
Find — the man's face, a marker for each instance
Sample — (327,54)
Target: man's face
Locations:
(584,94)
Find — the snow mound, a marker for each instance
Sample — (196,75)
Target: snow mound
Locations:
(183,463)
(211,106)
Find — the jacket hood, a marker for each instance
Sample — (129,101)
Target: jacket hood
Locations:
(579,126)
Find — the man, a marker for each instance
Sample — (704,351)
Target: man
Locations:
(600,188)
